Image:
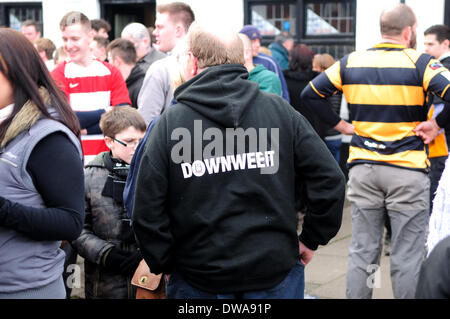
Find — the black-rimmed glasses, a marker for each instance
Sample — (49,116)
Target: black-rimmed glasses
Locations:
(127,144)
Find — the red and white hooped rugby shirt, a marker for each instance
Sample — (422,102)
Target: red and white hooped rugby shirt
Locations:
(99,85)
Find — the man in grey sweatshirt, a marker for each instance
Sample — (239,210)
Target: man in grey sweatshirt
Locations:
(171,26)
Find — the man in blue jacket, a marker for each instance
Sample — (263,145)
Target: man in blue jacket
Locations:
(267,61)
(280,49)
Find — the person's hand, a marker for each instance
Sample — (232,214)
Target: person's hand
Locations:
(345,127)
(114,259)
(427,131)
(129,265)
(83,131)
(306,254)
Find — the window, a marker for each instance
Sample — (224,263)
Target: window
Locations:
(121,12)
(330,18)
(15,14)
(335,50)
(329,26)
(273,18)
(326,26)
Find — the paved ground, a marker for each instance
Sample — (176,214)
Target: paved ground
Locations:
(325,274)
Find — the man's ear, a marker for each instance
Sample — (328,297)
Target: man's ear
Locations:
(146,42)
(446,42)
(179,30)
(108,141)
(194,68)
(407,33)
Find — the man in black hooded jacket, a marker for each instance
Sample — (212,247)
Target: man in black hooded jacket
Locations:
(216,189)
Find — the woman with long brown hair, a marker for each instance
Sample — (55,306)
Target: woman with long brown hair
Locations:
(41,174)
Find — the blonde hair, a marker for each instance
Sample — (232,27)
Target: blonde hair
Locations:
(265,50)
(75,17)
(47,45)
(214,48)
(60,55)
(175,65)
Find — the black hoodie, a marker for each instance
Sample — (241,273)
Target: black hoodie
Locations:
(232,228)
(134,83)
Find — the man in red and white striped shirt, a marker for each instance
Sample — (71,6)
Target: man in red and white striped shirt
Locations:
(92,86)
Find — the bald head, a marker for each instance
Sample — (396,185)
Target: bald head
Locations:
(138,34)
(393,21)
(215,46)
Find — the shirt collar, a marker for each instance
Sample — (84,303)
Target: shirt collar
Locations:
(445,55)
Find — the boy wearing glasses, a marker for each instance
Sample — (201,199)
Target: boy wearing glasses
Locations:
(107,243)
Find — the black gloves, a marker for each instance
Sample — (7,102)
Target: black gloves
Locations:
(130,264)
(123,262)
(114,257)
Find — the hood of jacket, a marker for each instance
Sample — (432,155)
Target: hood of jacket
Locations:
(136,74)
(220,93)
(25,118)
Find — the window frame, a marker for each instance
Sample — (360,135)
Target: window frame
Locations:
(447,12)
(310,40)
(334,36)
(6,6)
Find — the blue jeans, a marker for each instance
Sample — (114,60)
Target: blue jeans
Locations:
(292,287)
(335,148)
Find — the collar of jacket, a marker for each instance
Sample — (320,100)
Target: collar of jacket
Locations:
(390,45)
(25,118)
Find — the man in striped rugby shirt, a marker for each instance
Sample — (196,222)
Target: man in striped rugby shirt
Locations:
(385,87)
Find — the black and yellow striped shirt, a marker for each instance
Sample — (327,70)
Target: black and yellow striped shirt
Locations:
(385,88)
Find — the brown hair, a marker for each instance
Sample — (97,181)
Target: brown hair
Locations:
(29,23)
(46,45)
(441,31)
(60,54)
(124,49)
(210,49)
(301,58)
(21,64)
(178,12)
(393,21)
(75,17)
(97,24)
(121,118)
(101,41)
(324,61)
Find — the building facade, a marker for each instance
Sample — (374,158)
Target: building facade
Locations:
(336,27)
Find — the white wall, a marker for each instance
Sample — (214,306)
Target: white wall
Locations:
(231,13)
(216,12)
(428,12)
(54,10)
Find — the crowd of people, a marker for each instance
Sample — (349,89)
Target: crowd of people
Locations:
(217,164)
